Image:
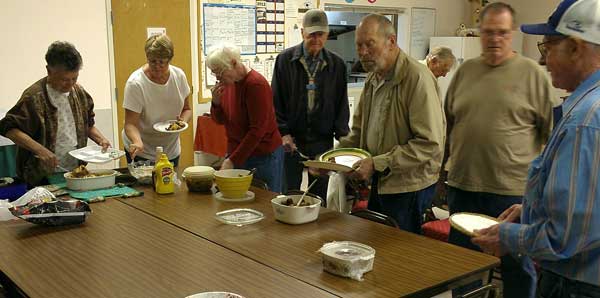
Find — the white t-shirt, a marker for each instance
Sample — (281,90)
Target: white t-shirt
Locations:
(66,133)
(156,103)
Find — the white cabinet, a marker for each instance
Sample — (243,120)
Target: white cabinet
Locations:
(465,48)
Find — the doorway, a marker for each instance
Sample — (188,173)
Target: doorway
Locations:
(130,20)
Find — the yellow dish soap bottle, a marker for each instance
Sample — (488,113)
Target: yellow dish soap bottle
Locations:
(164,176)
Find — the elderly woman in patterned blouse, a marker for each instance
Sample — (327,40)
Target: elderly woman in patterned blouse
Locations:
(53,116)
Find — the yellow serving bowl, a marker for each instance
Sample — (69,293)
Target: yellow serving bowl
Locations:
(233,183)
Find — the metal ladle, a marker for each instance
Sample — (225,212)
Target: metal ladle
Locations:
(307,189)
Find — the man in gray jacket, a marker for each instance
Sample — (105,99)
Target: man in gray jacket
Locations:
(400,121)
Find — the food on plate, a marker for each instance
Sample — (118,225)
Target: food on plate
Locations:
(176,125)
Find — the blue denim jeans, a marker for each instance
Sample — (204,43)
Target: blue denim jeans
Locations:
(518,273)
(552,285)
(406,208)
(269,168)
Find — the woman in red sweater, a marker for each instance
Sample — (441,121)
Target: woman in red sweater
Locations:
(242,101)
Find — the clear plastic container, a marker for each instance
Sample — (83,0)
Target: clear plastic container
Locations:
(347,258)
(142,171)
(198,178)
(239,217)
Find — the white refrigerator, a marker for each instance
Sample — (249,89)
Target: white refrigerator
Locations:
(465,48)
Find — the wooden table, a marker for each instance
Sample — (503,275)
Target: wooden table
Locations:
(406,265)
(122,252)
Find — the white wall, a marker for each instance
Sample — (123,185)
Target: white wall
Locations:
(30,26)
(449,13)
(528,12)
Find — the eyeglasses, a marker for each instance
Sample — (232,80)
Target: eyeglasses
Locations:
(543,48)
(499,33)
(160,62)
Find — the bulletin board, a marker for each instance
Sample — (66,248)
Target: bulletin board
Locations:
(422,27)
(270,26)
(232,24)
(259,30)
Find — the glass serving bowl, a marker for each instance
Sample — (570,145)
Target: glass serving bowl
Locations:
(142,170)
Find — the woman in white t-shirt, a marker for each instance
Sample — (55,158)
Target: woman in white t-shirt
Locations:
(154,93)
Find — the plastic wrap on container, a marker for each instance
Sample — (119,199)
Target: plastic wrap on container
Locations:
(36,195)
(53,213)
(347,258)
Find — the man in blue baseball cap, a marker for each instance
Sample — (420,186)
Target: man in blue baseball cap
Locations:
(558,223)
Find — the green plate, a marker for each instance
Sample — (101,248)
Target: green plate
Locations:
(324,165)
(344,159)
(344,152)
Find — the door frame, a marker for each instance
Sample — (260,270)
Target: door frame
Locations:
(113,89)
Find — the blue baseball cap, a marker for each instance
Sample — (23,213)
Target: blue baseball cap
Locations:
(579,18)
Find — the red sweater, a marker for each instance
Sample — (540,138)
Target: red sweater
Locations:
(246,110)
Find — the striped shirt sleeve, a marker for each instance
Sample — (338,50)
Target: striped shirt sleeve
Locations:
(560,206)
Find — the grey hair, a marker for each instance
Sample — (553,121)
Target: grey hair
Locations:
(63,54)
(442,53)
(498,7)
(386,28)
(159,46)
(220,56)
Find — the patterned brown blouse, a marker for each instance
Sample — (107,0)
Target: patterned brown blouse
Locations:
(35,115)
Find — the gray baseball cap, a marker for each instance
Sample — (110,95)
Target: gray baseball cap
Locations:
(315,20)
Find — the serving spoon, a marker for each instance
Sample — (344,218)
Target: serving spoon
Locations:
(251,172)
(302,155)
(307,189)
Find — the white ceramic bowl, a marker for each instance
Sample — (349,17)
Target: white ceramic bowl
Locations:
(296,215)
(106,180)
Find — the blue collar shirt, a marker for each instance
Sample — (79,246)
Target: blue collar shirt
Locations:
(560,220)
(311,61)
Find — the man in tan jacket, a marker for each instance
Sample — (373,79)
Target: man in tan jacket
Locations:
(399,120)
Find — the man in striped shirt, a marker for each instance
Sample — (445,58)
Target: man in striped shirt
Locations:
(560,215)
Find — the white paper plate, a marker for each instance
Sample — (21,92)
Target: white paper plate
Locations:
(239,217)
(162,126)
(469,222)
(94,154)
(248,197)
